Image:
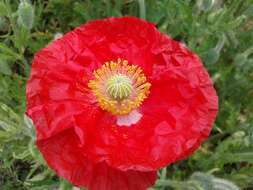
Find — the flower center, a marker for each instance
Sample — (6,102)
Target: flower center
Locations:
(119,87)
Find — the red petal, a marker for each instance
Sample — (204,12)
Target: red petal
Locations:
(68,160)
(181,109)
(60,72)
(177,115)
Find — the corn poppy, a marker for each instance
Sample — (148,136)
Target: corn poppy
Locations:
(114,100)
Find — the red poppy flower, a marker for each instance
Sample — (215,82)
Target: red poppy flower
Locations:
(115,100)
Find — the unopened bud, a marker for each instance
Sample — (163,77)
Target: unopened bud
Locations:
(25,14)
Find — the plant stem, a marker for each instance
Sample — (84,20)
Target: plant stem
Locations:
(142,9)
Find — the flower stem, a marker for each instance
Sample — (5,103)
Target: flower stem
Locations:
(142,9)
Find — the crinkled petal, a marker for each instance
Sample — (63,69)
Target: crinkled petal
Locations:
(61,71)
(65,157)
(175,118)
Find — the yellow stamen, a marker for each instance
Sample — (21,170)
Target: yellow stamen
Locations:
(119,87)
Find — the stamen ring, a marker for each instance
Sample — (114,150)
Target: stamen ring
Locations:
(119,87)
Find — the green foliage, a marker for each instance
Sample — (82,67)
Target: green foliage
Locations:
(199,181)
(219,31)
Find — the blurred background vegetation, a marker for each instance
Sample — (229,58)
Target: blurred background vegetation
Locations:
(219,31)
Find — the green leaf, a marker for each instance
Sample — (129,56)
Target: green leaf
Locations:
(30,128)
(21,38)
(204,180)
(5,67)
(38,177)
(171,183)
(9,51)
(211,56)
(9,124)
(3,24)
(64,185)
(3,9)
(241,157)
(209,182)
(249,11)
(205,5)
(222,184)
